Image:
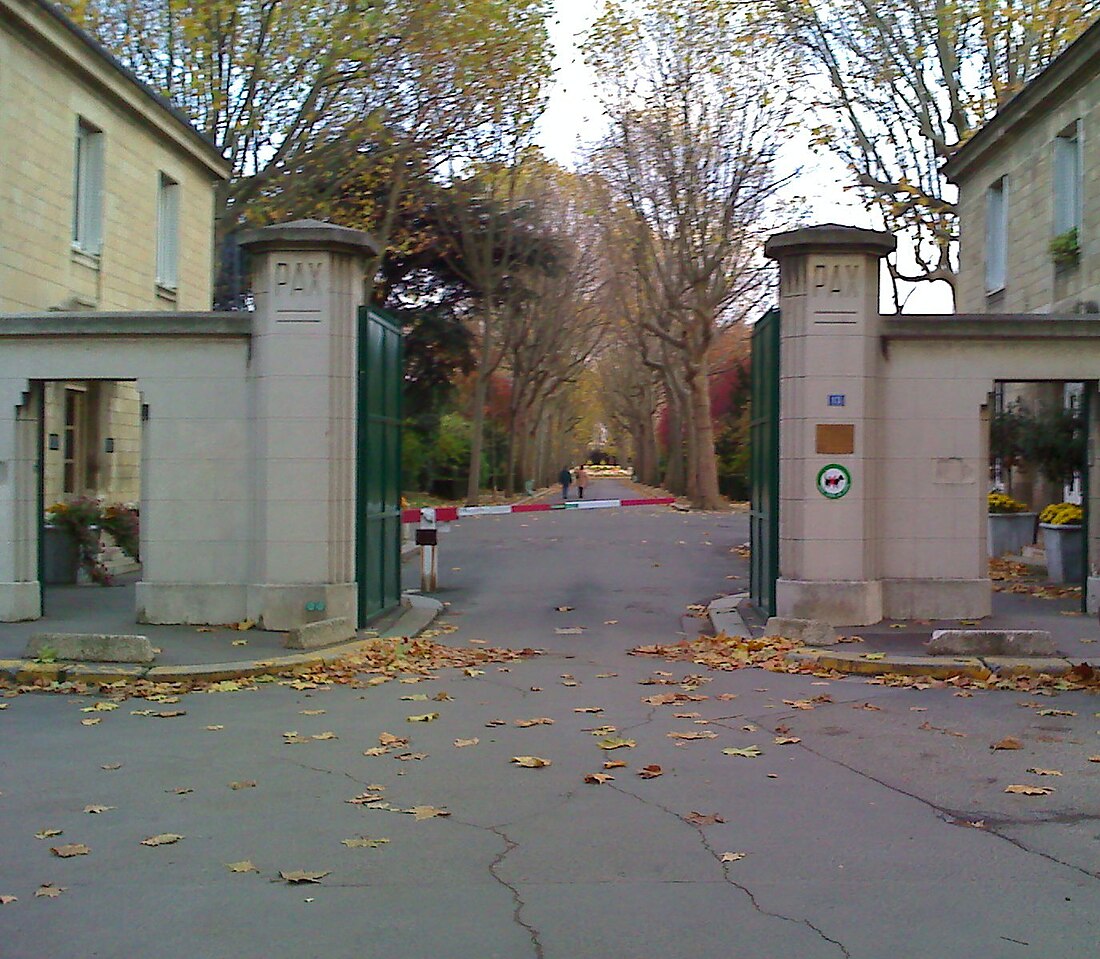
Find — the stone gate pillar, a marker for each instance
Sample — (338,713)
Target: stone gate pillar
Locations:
(828,443)
(308,283)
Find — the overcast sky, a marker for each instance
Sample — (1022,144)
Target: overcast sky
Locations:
(573,116)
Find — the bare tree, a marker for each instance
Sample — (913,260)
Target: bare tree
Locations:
(697,114)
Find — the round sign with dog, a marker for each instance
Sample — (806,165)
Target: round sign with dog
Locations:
(833,481)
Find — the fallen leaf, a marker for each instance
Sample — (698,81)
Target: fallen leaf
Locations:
(598,779)
(527,723)
(328,734)
(1094,759)
(180,790)
(569,630)
(731,856)
(424,718)
(564,609)
(606,675)
(705,734)
(375,751)
(615,742)
(298,876)
(426,812)
(870,707)
(463,743)
(686,715)
(786,740)
(1030,790)
(100,708)
(445,697)
(163,839)
(615,764)
(111,766)
(240,642)
(90,722)
(311,712)
(69,850)
(406,757)
(1056,712)
(531,762)
(651,771)
(49,891)
(245,865)
(749,752)
(290,738)
(388,739)
(1044,772)
(726,697)
(98,809)
(5,900)
(47,833)
(470,671)
(873,656)
(698,819)
(243,784)
(611,622)
(415,698)
(363,842)
(588,709)
(1009,742)
(214,727)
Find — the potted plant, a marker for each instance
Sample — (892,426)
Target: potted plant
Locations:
(1064,541)
(1065,248)
(1011,526)
(78,522)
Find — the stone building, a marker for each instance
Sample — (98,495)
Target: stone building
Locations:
(1029,194)
(1029,210)
(106,203)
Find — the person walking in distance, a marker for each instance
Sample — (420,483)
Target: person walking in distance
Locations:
(565,478)
(582,480)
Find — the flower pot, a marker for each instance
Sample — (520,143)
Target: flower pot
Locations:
(1009,533)
(61,557)
(1065,548)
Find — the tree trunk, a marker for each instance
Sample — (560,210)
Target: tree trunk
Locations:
(706,494)
(674,464)
(477,437)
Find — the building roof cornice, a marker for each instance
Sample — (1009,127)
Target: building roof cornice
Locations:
(1073,67)
(48,25)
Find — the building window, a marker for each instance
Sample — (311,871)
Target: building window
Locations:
(72,450)
(168,215)
(996,235)
(88,189)
(1067,179)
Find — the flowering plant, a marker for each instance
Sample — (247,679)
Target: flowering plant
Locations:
(1003,503)
(83,518)
(1062,514)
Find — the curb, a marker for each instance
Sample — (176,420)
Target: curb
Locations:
(971,667)
(28,672)
(726,618)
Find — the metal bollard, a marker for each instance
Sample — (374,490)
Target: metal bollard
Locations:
(427,538)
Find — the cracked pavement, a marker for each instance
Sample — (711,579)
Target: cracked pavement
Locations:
(884,832)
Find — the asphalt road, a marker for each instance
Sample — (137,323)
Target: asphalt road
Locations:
(883,832)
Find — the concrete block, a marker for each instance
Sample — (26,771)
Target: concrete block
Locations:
(324,632)
(103,674)
(199,604)
(91,647)
(280,607)
(809,632)
(839,602)
(727,603)
(730,623)
(20,602)
(992,642)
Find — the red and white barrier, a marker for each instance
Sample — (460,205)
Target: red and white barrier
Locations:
(447,514)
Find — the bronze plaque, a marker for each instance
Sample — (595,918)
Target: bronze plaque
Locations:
(836,438)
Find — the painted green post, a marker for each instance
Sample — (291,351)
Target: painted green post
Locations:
(764,472)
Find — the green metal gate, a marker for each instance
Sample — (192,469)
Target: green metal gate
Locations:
(378,463)
(764,446)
